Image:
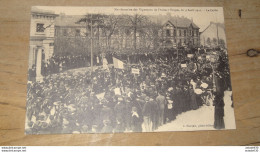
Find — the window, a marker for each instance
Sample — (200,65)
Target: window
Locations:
(168,33)
(184,32)
(64,32)
(56,32)
(179,32)
(155,32)
(174,32)
(128,32)
(39,27)
(77,32)
(116,31)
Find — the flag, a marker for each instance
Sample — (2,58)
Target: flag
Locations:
(184,65)
(117,91)
(135,71)
(100,96)
(190,55)
(118,63)
(105,64)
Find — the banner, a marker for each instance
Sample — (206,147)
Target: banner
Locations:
(117,91)
(212,59)
(183,65)
(135,71)
(100,96)
(190,55)
(118,63)
(163,75)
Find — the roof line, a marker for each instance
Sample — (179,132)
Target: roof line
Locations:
(43,13)
(70,26)
(170,22)
(206,28)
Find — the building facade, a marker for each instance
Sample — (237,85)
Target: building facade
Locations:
(180,32)
(71,35)
(41,38)
(63,34)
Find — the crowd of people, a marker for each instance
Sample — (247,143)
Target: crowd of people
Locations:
(118,100)
(59,63)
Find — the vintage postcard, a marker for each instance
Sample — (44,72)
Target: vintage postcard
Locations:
(128,69)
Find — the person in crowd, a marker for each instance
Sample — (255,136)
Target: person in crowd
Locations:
(161,101)
(219,95)
(154,114)
(147,115)
(120,113)
(136,120)
(67,101)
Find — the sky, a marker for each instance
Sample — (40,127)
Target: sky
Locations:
(202,16)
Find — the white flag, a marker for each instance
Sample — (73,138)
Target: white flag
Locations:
(105,64)
(118,63)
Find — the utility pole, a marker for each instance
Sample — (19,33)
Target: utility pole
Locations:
(204,41)
(91,43)
(90,20)
(217,35)
(217,32)
(177,44)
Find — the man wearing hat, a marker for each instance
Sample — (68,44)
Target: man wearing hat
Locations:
(161,101)
(120,110)
(154,114)
(169,113)
(136,120)
(147,115)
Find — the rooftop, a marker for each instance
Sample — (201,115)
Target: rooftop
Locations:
(35,10)
(68,20)
(182,22)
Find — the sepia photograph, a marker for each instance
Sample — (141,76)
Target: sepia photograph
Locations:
(128,69)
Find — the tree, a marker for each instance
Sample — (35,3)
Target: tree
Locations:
(110,26)
(97,21)
(135,23)
(152,33)
(68,43)
(208,42)
(222,43)
(215,41)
